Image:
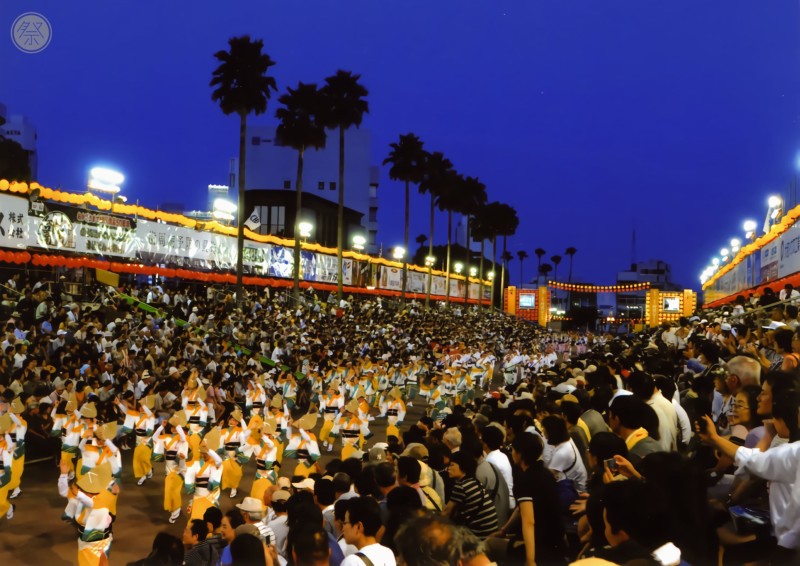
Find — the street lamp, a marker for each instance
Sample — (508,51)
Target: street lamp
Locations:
(490,275)
(398,252)
(358,242)
(430,260)
(473,271)
(305,228)
(459,267)
(736,245)
(105,180)
(750,229)
(715,261)
(224,210)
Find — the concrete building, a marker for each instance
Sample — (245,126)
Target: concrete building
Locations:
(272,169)
(656,272)
(21,130)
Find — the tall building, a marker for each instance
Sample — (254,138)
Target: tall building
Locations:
(656,272)
(271,175)
(21,130)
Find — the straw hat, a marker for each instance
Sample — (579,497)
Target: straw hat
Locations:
(72,404)
(178,419)
(96,479)
(213,439)
(237,416)
(17,407)
(89,411)
(192,382)
(352,406)
(307,421)
(270,426)
(149,402)
(107,432)
(277,402)
(255,422)
(360,393)
(201,394)
(396,394)
(5,424)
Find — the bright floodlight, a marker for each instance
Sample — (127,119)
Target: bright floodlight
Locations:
(774,201)
(459,267)
(105,180)
(750,225)
(736,242)
(398,252)
(473,271)
(305,229)
(490,275)
(430,260)
(359,241)
(222,215)
(224,205)
(724,252)
(715,261)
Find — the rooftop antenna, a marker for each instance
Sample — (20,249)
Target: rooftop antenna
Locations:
(633,247)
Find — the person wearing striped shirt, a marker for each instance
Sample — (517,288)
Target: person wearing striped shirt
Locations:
(469,503)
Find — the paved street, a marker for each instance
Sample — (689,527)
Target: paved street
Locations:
(36,534)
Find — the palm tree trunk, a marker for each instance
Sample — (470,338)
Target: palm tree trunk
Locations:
(340,216)
(447,268)
(466,263)
(503,274)
(430,267)
(405,246)
(520,273)
(241,210)
(298,208)
(494,270)
(569,280)
(480,278)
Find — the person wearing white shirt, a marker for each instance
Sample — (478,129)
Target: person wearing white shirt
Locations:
(493,438)
(361,525)
(565,460)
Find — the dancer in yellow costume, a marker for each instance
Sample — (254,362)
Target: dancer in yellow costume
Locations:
(7,448)
(351,429)
(303,445)
(18,429)
(193,401)
(203,475)
(139,418)
(232,440)
(98,451)
(331,405)
(91,519)
(395,411)
(280,413)
(171,446)
(260,444)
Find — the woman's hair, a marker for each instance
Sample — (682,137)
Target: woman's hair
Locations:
(785,400)
(465,461)
(235,518)
(167,549)
(528,446)
(783,339)
(555,428)
(247,550)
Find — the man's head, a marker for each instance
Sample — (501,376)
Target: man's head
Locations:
(309,545)
(362,520)
(433,540)
(213,519)
(452,438)
(195,533)
(742,370)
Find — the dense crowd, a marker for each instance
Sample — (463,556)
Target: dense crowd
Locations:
(526,446)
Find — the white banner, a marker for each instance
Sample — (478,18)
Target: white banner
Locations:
(391,278)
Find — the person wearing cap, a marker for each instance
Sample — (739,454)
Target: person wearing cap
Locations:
(303,445)
(278,523)
(171,446)
(203,476)
(93,521)
(7,448)
(331,404)
(351,429)
(232,440)
(253,513)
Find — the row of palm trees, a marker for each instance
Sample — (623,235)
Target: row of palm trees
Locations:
(307,112)
(545,268)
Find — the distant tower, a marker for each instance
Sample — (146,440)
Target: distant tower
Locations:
(633,248)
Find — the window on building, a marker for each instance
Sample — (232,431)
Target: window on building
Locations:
(373,214)
(287,184)
(277,219)
(321,185)
(263,218)
(373,191)
(332,185)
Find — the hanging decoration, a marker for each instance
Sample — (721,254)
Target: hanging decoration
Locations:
(598,288)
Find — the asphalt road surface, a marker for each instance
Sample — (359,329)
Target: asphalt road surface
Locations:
(37,535)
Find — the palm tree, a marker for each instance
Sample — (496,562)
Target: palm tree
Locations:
(242,87)
(507,224)
(539,255)
(474,192)
(571,253)
(421,239)
(545,269)
(302,126)
(486,226)
(522,255)
(556,259)
(408,160)
(346,108)
(438,171)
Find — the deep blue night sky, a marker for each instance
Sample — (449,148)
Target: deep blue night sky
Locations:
(678,117)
